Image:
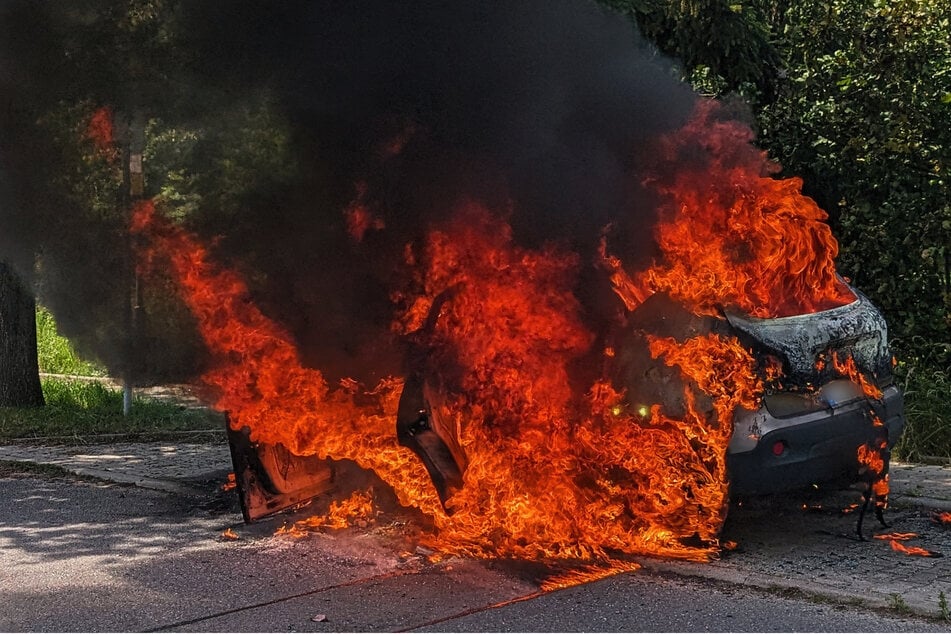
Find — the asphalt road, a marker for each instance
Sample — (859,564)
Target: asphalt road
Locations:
(86,556)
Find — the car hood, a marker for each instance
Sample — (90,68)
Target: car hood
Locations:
(856,329)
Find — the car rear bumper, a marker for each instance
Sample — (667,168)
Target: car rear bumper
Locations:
(770,454)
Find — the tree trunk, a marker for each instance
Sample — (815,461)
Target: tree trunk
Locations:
(19,367)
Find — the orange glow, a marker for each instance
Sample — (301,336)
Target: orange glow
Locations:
(942,518)
(395,144)
(900,537)
(230,483)
(229,535)
(359,218)
(772,369)
(100,130)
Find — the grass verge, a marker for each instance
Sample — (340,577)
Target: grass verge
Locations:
(79,409)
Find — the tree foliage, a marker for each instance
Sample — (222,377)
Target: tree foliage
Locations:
(71,96)
(854,96)
(863,114)
(723,45)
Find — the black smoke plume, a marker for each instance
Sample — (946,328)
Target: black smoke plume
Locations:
(543,108)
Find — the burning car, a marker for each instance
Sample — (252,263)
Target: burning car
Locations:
(736,360)
(815,410)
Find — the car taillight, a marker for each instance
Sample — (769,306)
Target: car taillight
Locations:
(779,447)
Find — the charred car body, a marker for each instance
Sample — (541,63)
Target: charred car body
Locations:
(806,431)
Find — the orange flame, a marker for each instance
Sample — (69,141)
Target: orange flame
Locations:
(871,457)
(846,367)
(548,475)
(913,550)
(554,468)
(587,574)
(357,510)
(731,235)
(230,535)
(260,382)
(720,366)
(900,537)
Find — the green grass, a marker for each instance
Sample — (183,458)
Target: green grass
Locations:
(80,409)
(897,603)
(83,408)
(927,435)
(56,353)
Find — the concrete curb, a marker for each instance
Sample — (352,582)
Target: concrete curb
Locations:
(858,594)
(169,466)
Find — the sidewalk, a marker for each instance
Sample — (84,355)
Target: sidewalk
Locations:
(923,486)
(176,467)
